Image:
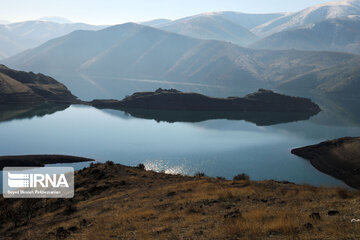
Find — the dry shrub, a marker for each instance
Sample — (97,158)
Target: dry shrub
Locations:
(260,222)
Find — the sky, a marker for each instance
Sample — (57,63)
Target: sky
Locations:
(120,11)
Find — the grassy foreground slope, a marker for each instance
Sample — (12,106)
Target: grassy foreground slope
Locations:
(117,202)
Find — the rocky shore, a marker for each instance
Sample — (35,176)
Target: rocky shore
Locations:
(339,158)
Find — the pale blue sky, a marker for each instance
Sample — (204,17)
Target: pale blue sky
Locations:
(120,11)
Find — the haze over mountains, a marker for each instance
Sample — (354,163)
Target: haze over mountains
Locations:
(206,49)
(318,13)
(341,35)
(17,37)
(139,52)
(225,26)
(55,19)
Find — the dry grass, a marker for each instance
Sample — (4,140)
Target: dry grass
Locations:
(130,203)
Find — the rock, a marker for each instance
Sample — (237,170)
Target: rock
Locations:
(171,194)
(308,226)
(333,212)
(233,214)
(62,233)
(83,222)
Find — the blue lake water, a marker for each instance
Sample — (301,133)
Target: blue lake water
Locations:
(215,147)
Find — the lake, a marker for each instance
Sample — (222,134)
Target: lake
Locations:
(216,147)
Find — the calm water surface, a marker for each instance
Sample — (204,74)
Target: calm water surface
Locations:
(215,147)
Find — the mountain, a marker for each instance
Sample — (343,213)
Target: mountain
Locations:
(23,87)
(318,13)
(155,22)
(333,35)
(224,26)
(4,22)
(17,37)
(333,80)
(248,20)
(55,19)
(211,26)
(136,52)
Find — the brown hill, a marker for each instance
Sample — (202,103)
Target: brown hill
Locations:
(28,87)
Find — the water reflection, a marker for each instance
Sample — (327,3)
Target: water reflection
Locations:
(27,111)
(258,118)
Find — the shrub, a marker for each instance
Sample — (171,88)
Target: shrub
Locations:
(141,166)
(199,174)
(240,177)
(109,163)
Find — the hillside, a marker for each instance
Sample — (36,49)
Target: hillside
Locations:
(17,37)
(341,35)
(317,13)
(246,20)
(212,27)
(132,51)
(343,78)
(155,22)
(115,201)
(23,87)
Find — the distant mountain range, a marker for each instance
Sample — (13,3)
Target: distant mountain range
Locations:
(55,19)
(224,26)
(155,22)
(317,13)
(209,26)
(4,22)
(341,35)
(139,52)
(17,37)
(332,26)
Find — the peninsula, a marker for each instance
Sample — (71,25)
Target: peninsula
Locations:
(339,158)
(38,160)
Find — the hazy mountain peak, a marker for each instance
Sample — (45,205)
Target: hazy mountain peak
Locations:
(155,22)
(211,26)
(4,21)
(317,13)
(55,19)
